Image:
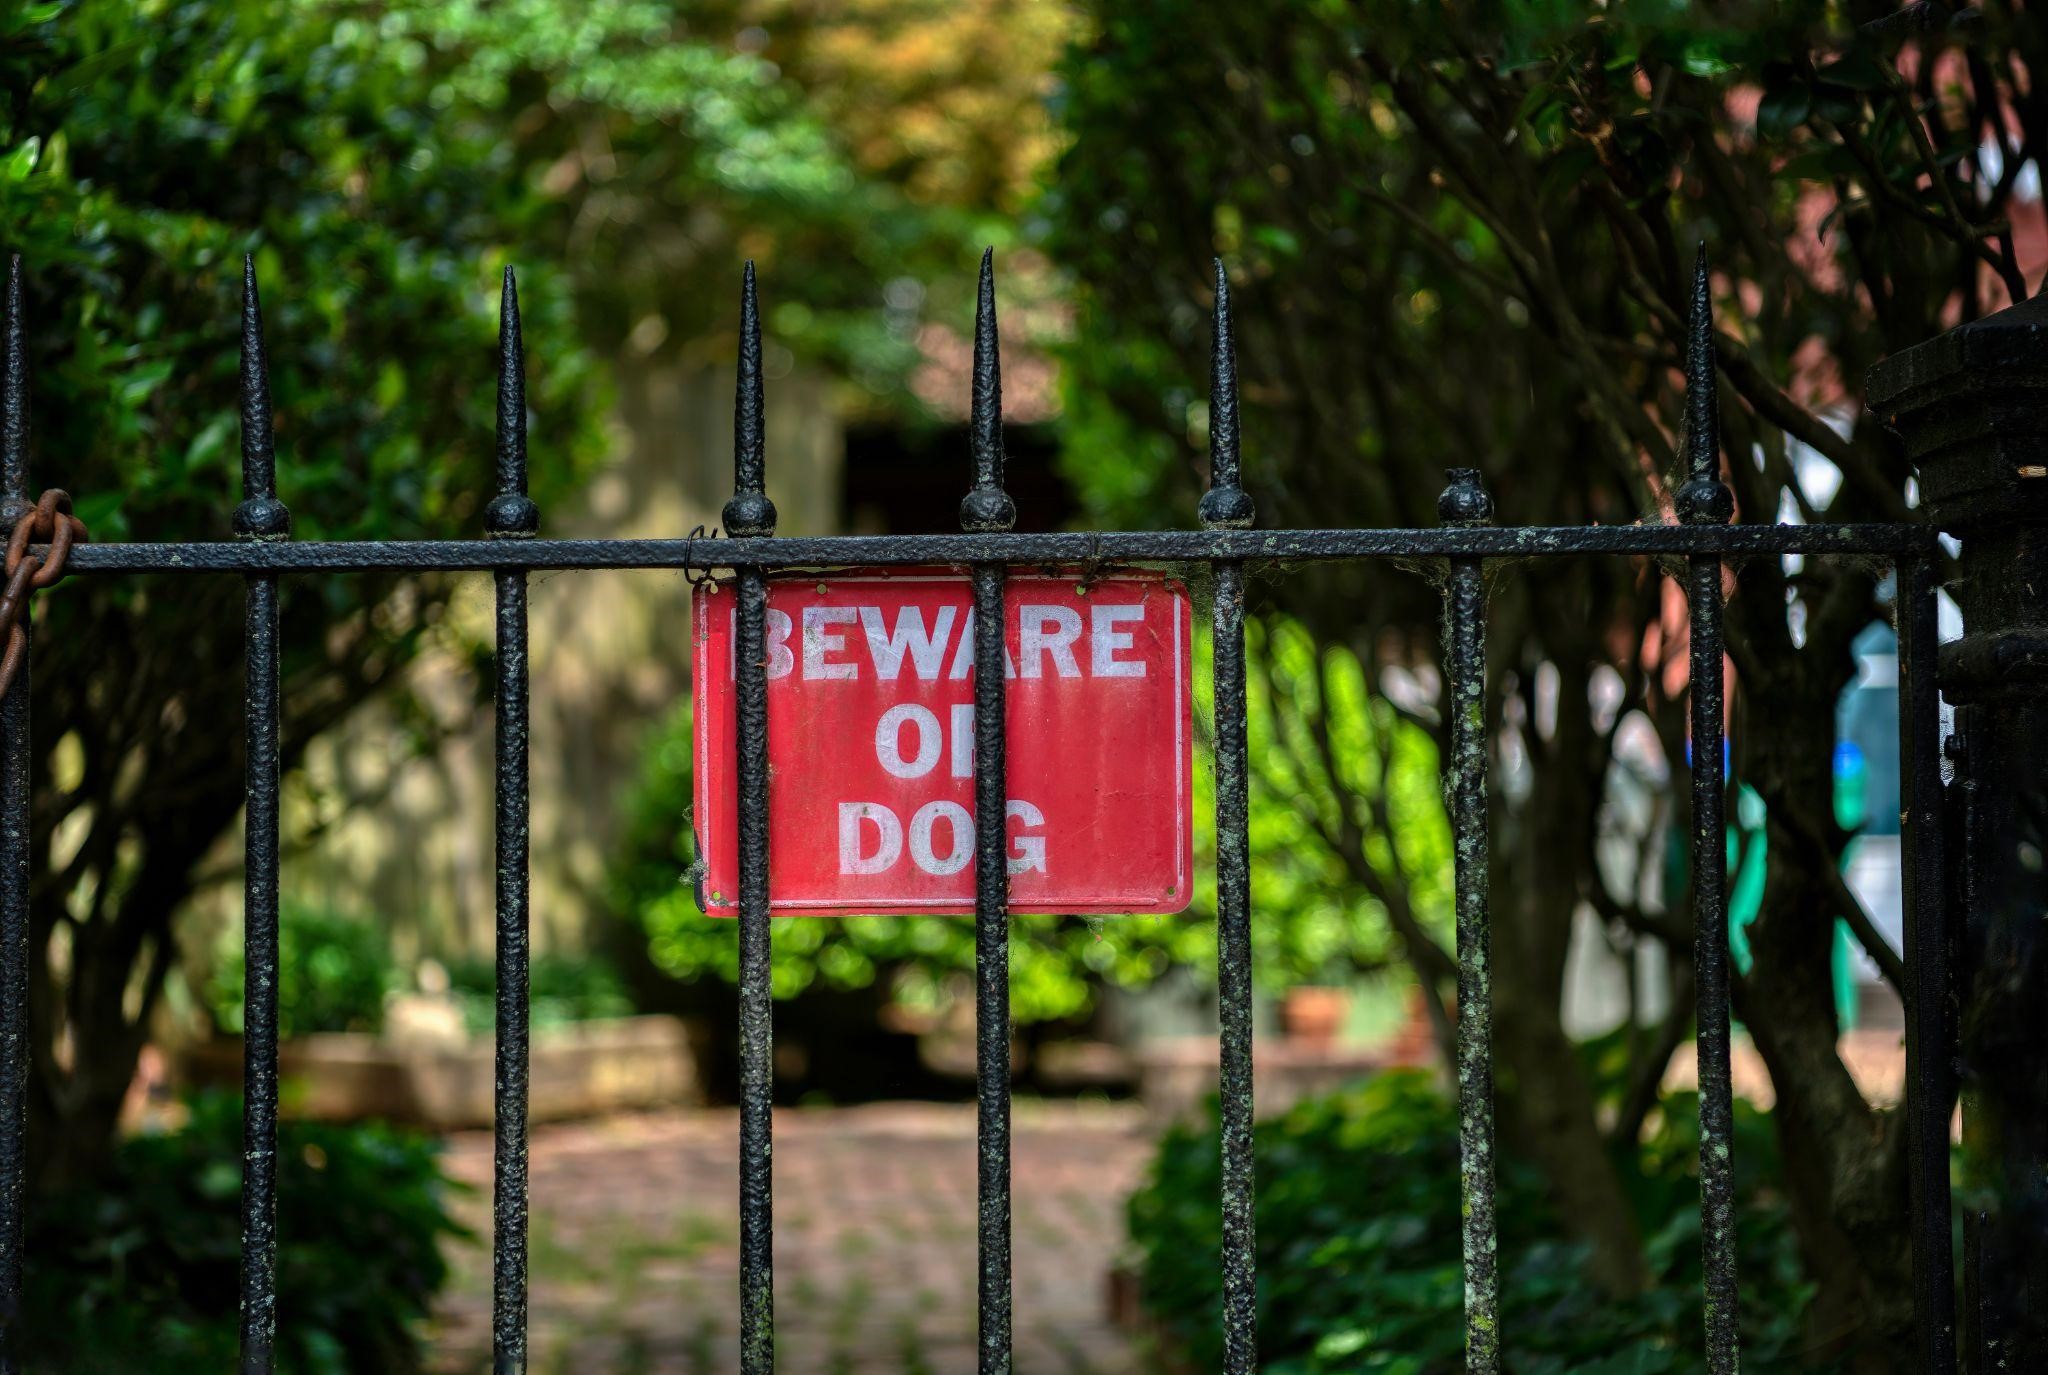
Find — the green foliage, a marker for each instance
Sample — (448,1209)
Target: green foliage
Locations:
(561,991)
(334,974)
(1464,234)
(383,162)
(140,1272)
(151,145)
(1359,1247)
(1315,921)
(668,146)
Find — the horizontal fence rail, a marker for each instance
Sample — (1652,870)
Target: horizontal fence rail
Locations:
(1462,553)
(1063,547)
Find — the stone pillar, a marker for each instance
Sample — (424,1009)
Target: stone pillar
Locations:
(1972,409)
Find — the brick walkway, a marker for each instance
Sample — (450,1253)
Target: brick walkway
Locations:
(635,1256)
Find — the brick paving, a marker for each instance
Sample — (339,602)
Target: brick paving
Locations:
(635,1257)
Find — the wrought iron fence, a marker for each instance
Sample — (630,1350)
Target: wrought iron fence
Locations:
(1461,550)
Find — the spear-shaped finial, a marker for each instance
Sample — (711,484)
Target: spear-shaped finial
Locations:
(511,514)
(750,513)
(14,502)
(1226,505)
(1703,499)
(261,516)
(987,508)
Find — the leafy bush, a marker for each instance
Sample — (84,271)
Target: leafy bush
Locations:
(141,1271)
(334,973)
(1358,1245)
(560,991)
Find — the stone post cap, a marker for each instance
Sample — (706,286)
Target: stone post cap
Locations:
(1971,407)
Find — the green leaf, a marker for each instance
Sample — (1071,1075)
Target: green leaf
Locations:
(141,383)
(22,160)
(1281,241)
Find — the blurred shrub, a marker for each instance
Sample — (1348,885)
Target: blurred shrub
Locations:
(561,990)
(141,1272)
(1358,1247)
(334,973)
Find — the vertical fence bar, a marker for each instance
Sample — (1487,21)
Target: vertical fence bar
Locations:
(14,853)
(1465,503)
(1704,500)
(260,516)
(1227,506)
(751,515)
(987,509)
(1930,1079)
(511,514)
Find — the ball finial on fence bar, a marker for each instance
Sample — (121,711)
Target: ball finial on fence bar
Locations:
(749,514)
(987,509)
(261,516)
(1465,502)
(14,502)
(1226,505)
(511,513)
(1703,499)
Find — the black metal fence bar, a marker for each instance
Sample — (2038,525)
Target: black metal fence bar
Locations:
(987,509)
(1227,506)
(1930,1079)
(1465,503)
(1703,541)
(14,855)
(1059,547)
(1703,502)
(751,515)
(261,516)
(511,515)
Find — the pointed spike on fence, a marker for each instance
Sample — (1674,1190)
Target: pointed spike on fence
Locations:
(750,514)
(1226,505)
(14,502)
(511,389)
(510,513)
(1703,499)
(987,508)
(261,516)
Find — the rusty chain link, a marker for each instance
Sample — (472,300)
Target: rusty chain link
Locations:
(49,523)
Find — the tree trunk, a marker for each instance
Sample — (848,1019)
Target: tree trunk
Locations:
(1844,1169)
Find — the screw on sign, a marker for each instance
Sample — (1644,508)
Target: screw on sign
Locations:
(871,744)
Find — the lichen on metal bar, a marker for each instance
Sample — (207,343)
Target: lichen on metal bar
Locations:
(1466,505)
(14,857)
(260,516)
(749,512)
(988,510)
(511,515)
(1704,502)
(1226,505)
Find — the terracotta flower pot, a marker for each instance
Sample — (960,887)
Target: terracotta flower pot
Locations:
(1314,1016)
